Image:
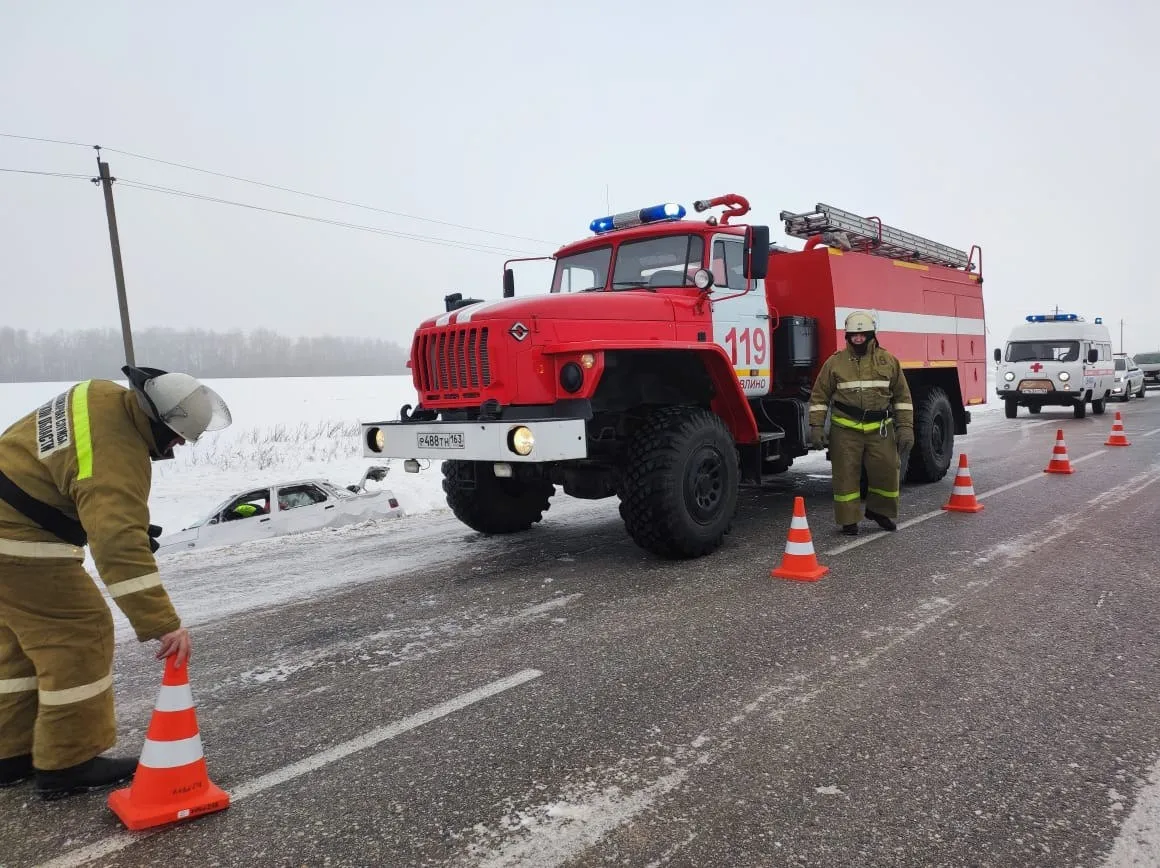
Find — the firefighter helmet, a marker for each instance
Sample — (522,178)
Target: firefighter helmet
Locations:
(180,402)
(859,322)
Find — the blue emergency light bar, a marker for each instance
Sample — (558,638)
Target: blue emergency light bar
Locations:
(653,214)
(1053,317)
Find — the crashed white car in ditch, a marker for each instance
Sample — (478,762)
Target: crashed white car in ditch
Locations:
(286,508)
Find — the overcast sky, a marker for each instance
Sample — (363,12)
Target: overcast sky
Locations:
(1030,129)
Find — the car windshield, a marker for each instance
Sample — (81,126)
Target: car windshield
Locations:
(1148,359)
(1121,364)
(1043,351)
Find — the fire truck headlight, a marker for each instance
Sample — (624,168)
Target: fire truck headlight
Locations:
(571,377)
(521,441)
(1064,376)
(376,439)
(1009,376)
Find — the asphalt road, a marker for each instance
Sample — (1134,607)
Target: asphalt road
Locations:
(975,690)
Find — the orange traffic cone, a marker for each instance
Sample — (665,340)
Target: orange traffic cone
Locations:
(799,562)
(1117,437)
(1060,463)
(963,494)
(171,782)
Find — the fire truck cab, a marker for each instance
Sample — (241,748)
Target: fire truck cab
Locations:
(1056,359)
(671,362)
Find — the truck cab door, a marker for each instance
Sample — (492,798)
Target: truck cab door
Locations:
(741,320)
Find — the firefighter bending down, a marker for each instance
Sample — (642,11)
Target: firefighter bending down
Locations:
(863,388)
(77,472)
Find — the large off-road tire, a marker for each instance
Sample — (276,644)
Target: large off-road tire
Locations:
(934,437)
(492,505)
(1098,407)
(679,490)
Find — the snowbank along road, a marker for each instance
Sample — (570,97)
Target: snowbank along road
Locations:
(973,690)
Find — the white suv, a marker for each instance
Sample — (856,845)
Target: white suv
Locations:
(1129,378)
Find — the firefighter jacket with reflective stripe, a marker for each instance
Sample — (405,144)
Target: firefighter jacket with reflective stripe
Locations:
(86,453)
(862,389)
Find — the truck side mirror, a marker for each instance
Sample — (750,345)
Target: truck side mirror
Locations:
(756,252)
(1093,356)
(998,354)
(509,283)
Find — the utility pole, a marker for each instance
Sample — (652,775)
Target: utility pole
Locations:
(106,182)
(1121,336)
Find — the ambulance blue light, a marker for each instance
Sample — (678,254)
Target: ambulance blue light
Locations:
(1099,320)
(1053,317)
(652,214)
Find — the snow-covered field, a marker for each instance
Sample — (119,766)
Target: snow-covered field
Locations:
(283,428)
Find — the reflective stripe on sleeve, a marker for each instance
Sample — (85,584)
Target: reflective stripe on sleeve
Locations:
(76,694)
(21,549)
(84,434)
(132,586)
(822,407)
(17,685)
(903,406)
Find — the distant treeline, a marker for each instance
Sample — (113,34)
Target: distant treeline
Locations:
(80,355)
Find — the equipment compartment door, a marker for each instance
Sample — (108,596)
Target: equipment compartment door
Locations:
(941,334)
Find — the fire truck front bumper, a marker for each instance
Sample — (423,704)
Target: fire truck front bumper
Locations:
(527,441)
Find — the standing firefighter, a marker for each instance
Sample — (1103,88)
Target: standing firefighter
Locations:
(74,472)
(867,395)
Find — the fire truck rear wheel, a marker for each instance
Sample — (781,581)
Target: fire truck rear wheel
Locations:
(934,436)
(492,505)
(679,490)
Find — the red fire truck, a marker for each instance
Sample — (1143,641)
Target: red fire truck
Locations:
(671,363)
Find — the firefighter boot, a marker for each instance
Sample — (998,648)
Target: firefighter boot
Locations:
(15,769)
(883,522)
(850,529)
(94,774)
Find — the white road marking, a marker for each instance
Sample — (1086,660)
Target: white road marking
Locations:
(937,512)
(1138,842)
(120,841)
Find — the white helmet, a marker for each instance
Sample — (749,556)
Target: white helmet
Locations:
(182,403)
(859,322)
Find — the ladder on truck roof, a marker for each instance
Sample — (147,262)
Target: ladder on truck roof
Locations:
(871,235)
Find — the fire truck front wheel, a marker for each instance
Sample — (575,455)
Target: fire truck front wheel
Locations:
(678,493)
(491,505)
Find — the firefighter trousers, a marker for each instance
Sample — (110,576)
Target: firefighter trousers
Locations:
(56,663)
(850,451)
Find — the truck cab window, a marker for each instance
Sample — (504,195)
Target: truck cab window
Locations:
(581,271)
(669,260)
(727,263)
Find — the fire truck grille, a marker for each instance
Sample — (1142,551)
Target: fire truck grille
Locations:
(454,363)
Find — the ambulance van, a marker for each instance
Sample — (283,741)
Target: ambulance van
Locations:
(1056,360)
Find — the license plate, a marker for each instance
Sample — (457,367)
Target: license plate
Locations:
(433,440)
(1034,391)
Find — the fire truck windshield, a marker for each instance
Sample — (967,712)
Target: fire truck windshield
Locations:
(667,260)
(1043,351)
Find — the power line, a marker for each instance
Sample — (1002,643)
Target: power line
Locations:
(48,174)
(324,198)
(48,141)
(279,187)
(410,236)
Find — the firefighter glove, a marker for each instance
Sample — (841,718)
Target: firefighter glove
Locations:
(905,439)
(817,437)
(154,532)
